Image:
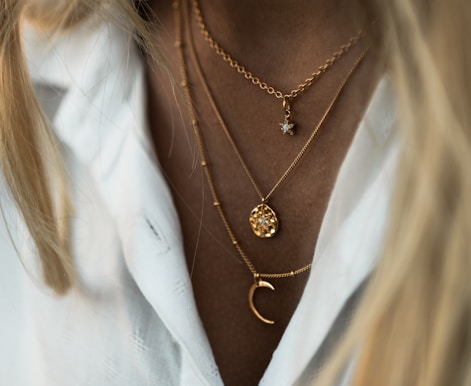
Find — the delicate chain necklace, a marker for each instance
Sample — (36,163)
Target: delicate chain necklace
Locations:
(258,276)
(287,126)
(263,219)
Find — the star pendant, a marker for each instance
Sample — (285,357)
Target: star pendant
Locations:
(287,127)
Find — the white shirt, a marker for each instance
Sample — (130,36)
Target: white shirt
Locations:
(133,320)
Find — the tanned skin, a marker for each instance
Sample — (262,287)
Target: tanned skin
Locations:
(281,42)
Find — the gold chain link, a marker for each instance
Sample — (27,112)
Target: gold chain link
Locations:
(256,80)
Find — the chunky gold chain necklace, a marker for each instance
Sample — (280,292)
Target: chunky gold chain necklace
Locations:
(287,126)
(182,13)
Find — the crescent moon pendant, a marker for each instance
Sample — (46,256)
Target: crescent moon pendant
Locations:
(253,288)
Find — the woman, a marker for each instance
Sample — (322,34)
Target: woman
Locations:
(138,203)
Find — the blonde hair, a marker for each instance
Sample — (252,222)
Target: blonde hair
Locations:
(413,326)
(29,158)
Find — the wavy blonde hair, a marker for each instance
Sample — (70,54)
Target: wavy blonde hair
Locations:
(413,326)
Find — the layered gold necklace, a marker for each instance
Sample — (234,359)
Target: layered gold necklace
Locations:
(263,219)
(184,29)
(288,125)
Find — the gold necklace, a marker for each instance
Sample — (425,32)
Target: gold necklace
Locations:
(258,276)
(287,126)
(263,219)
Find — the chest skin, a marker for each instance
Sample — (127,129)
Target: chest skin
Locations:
(242,344)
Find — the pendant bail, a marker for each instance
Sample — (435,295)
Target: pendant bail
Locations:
(286,107)
(256,278)
(287,125)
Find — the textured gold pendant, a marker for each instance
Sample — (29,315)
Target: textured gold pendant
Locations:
(263,221)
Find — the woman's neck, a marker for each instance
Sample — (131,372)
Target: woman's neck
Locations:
(245,20)
(284,33)
(282,43)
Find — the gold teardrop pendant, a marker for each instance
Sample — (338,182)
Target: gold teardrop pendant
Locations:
(263,221)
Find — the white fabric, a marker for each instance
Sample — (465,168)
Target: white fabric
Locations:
(134,321)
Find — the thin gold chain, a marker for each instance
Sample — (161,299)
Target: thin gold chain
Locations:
(204,157)
(256,80)
(231,140)
(179,14)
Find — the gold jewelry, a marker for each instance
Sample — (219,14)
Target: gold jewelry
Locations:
(287,126)
(263,219)
(258,276)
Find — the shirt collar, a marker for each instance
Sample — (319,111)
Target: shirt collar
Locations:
(101,119)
